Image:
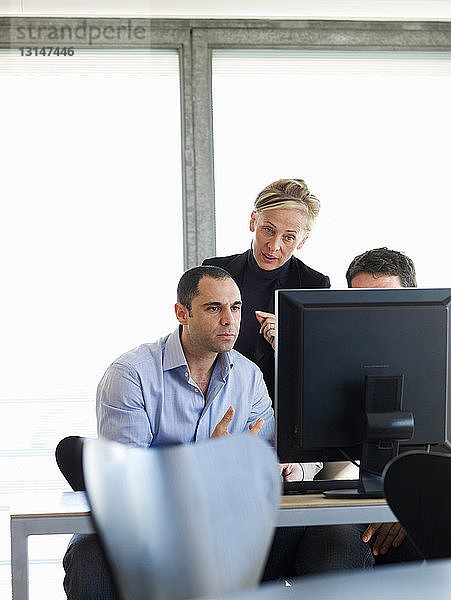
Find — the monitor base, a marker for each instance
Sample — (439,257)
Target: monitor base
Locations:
(318,485)
(353,494)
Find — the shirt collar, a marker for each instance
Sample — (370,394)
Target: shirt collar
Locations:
(173,352)
(226,363)
(174,356)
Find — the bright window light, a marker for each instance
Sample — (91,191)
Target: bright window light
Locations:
(91,239)
(368,131)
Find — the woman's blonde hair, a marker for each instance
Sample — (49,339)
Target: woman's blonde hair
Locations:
(289,193)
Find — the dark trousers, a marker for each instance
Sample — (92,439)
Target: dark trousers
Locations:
(295,551)
(308,550)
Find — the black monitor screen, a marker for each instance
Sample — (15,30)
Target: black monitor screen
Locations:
(330,344)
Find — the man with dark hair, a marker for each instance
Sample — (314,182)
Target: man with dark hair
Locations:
(185,387)
(381,268)
(180,387)
(384,268)
(188,286)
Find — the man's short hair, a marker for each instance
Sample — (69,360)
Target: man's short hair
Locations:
(188,286)
(382,261)
(289,193)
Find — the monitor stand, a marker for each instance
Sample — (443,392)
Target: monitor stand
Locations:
(384,426)
(317,486)
(376,492)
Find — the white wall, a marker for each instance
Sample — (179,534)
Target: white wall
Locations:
(286,9)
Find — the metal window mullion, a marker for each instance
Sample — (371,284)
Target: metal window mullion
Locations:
(199,238)
(180,38)
(203,236)
(190,220)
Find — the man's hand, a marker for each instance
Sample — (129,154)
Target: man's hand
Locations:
(221,428)
(256,427)
(387,535)
(267,326)
(291,471)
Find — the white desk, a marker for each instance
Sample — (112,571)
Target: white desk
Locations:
(315,509)
(404,582)
(69,513)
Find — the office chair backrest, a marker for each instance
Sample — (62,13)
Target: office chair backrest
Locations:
(417,487)
(68,456)
(185,521)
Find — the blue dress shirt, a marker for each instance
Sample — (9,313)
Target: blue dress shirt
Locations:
(148,398)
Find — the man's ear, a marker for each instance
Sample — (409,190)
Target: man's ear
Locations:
(302,242)
(252,222)
(182,313)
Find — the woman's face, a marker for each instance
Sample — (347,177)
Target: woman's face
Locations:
(278,233)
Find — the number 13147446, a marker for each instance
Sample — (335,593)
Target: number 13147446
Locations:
(46,51)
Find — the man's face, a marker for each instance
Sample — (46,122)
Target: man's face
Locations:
(373,280)
(214,322)
(278,233)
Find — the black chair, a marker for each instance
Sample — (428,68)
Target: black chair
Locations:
(68,456)
(417,486)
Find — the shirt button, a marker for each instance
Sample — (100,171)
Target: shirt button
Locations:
(186,374)
(196,390)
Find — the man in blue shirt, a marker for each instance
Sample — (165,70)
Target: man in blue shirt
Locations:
(177,389)
(188,386)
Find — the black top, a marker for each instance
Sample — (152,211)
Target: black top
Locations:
(257,290)
(294,274)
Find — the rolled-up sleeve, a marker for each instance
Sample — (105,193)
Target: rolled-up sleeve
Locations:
(121,411)
(262,408)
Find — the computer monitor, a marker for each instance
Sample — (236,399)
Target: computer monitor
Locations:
(360,371)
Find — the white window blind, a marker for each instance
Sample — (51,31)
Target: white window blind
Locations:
(91,240)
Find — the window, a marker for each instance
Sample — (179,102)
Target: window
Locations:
(367,131)
(91,239)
